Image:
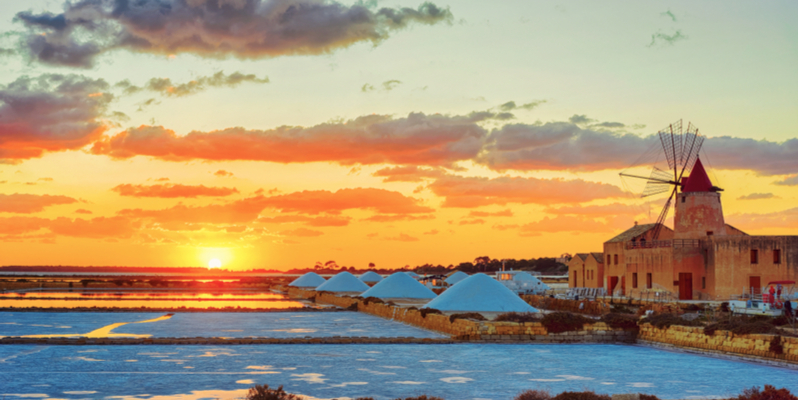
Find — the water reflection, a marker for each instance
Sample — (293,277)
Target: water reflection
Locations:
(105,332)
(151,303)
(171,295)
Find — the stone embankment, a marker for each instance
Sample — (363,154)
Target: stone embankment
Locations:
(471,330)
(753,346)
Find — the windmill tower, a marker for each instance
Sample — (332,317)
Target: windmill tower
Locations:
(698,209)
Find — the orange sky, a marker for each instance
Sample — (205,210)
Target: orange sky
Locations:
(278,145)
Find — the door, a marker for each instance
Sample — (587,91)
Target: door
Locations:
(684,286)
(755,286)
(575,278)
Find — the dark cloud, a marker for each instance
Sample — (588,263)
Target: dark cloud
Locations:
(390,84)
(665,39)
(50,112)
(510,106)
(212,28)
(31,203)
(567,146)
(758,196)
(172,190)
(411,173)
(788,181)
(165,87)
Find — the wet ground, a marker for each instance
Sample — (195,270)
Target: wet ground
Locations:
(454,372)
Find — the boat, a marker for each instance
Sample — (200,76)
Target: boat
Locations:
(762,302)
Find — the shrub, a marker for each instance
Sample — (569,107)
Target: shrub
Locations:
(518,317)
(471,315)
(352,307)
(373,300)
(534,395)
(662,321)
(71,284)
(742,326)
(775,345)
(780,320)
(426,311)
(725,306)
(422,397)
(643,396)
(263,392)
(23,280)
(118,282)
(620,321)
(559,322)
(692,307)
(769,393)
(588,395)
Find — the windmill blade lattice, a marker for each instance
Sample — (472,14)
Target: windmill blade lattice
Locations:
(659,182)
(672,142)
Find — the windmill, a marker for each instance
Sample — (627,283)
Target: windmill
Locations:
(681,149)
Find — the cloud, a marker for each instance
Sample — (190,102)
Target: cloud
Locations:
(165,87)
(750,221)
(247,29)
(50,113)
(172,190)
(223,173)
(403,238)
(82,211)
(395,218)
(410,173)
(45,179)
(431,232)
(390,84)
(472,222)
(501,227)
(417,139)
(472,192)
(666,39)
(758,196)
(306,220)
(788,181)
(504,213)
(510,106)
(31,203)
(567,146)
(669,15)
(240,211)
(367,88)
(323,201)
(100,227)
(302,232)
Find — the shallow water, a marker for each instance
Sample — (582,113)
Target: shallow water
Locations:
(274,325)
(143,295)
(462,371)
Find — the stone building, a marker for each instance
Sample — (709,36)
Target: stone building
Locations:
(586,270)
(702,258)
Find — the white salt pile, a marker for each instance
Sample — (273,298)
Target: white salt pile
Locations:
(309,280)
(456,277)
(370,277)
(412,274)
(343,282)
(480,293)
(397,286)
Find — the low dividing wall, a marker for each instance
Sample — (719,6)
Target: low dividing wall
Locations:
(474,330)
(722,342)
(590,307)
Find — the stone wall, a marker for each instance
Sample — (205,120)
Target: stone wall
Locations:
(723,342)
(590,307)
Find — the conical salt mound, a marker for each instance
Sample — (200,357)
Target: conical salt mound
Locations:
(480,293)
(530,281)
(309,280)
(399,285)
(343,282)
(456,277)
(370,277)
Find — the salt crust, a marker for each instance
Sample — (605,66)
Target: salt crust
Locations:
(343,282)
(480,293)
(308,280)
(399,285)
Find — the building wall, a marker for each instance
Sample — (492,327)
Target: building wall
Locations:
(732,267)
(697,214)
(655,261)
(575,266)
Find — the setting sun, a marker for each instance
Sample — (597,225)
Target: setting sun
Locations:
(214,263)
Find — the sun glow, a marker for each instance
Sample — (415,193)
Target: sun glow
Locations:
(214,263)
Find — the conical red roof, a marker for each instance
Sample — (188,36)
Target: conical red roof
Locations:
(698,180)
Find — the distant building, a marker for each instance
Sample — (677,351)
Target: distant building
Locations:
(586,270)
(703,258)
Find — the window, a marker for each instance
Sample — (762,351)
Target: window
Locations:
(704,282)
(609,259)
(635,280)
(616,259)
(683,199)
(776,256)
(649,280)
(709,233)
(753,256)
